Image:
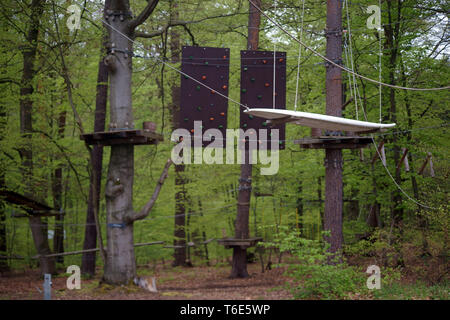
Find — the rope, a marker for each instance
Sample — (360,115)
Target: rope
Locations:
(351,60)
(299,56)
(274,65)
(339,66)
(365,116)
(379,60)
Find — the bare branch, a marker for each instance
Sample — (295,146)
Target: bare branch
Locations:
(140,19)
(149,205)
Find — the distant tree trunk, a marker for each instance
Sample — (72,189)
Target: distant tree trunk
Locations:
(26,127)
(57,190)
(392,34)
(3,240)
(90,233)
(239,264)
(299,223)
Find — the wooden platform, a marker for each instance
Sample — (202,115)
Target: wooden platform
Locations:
(334,142)
(110,138)
(31,206)
(243,243)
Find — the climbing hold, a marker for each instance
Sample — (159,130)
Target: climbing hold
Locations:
(186,119)
(203,77)
(212,91)
(252,79)
(191,57)
(222,113)
(199,108)
(264,124)
(281,60)
(211,119)
(211,104)
(206,62)
(244,90)
(220,126)
(259,97)
(198,88)
(192,130)
(244,125)
(250,116)
(267,84)
(224,57)
(264,61)
(186,77)
(245,69)
(224,87)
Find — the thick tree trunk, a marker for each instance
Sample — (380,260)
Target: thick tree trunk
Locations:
(26,127)
(333,158)
(239,264)
(90,235)
(3,242)
(179,242)
(120,265)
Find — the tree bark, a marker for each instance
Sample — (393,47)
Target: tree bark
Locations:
(40,238)
(333,157)
(3,242)
(90,235)
(239,264)
(57,188)
(179,241)
(120,264)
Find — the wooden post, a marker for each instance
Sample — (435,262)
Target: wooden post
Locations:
(402,159)
(333,157)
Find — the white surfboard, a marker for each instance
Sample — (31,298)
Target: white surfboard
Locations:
(315,120)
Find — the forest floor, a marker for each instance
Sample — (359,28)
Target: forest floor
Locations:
(196,283)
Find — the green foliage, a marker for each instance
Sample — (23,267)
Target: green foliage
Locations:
(315,278)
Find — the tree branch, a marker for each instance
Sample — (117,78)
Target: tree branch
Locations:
(149,205)
(140,19)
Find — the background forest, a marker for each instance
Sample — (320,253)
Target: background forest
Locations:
(381,223)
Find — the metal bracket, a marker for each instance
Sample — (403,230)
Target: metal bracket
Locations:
(248,180)
(337,61)
(244,188)
(121,14)
(116,225)
(126,53)
(335,33)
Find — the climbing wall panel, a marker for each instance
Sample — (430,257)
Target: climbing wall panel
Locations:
(209,66)
(257,90)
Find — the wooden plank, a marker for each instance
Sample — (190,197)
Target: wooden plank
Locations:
(376,156)
(134,137)
(402,160)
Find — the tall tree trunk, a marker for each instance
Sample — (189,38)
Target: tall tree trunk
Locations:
(120,265)
(180,176)
(57,190)
(39,234)
(90,233)
(239,264)
(3,243)
(333,157)
(392,34)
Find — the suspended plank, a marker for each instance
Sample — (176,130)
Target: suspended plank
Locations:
(315,120)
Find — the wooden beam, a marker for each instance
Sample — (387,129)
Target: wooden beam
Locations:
(402,160)
(425,163)
(381,152)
